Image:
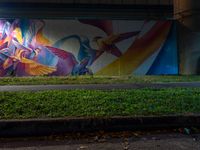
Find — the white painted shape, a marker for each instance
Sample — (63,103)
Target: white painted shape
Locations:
(144,68)
(57,29)
(146,28)
(104,60)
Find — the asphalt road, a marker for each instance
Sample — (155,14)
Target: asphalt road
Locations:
(97,86)
(173,141)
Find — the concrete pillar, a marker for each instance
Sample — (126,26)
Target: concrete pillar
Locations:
(187,14)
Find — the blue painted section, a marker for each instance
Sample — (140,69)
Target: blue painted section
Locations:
(167,60)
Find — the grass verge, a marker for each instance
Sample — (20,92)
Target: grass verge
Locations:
(76,103)
(94,80)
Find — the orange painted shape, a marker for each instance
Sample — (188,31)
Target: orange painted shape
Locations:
(41,39)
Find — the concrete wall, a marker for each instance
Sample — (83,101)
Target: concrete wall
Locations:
(187,14)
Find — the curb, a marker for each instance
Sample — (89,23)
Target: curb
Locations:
(117,86)
(46,127)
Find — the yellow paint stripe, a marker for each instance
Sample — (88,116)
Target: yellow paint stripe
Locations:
(140,50)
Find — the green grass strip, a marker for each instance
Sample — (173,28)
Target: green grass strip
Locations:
(76,103)
(94,80)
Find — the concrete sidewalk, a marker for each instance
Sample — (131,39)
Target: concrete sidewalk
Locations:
(98,86)
(166,141)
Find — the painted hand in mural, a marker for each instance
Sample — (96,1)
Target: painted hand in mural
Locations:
(86,55)
(107,44)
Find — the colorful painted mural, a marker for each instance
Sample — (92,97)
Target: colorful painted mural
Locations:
(79,47)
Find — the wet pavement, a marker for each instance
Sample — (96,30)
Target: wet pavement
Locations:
(114,141)
(98,86)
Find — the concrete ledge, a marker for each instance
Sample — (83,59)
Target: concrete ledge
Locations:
(45,127)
